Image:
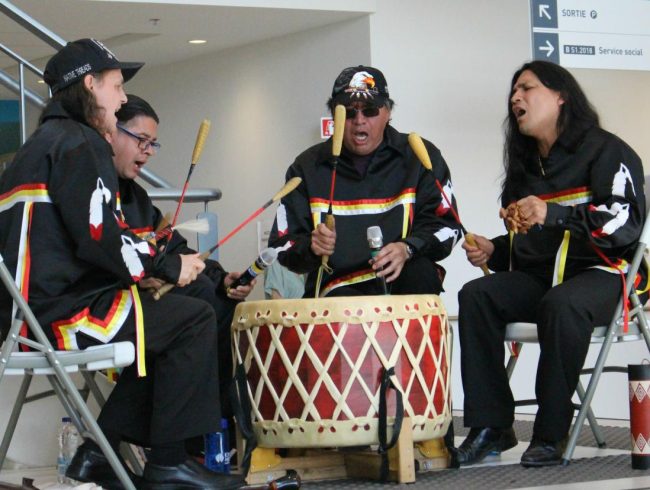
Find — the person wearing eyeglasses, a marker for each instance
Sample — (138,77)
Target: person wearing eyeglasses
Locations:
(78,264)
(133,144)
(379,182)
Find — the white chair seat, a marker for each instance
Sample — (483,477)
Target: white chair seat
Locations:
(93,358)
(527,333)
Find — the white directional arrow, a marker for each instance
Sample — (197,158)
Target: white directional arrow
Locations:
(543,10)
(549,48)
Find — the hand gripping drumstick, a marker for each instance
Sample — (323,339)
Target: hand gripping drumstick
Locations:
(337,143)
(196,154)
(286,189)
(417,145)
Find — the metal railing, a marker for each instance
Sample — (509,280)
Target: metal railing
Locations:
(163,190)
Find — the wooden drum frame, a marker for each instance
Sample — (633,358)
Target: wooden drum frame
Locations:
(314,367)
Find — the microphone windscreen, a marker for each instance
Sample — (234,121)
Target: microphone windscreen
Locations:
(374,236)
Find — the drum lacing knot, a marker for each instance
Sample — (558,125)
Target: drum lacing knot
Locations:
(288,318)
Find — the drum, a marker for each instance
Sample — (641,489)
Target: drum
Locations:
(314,367)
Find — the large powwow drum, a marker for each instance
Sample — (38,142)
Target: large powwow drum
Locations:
(314,367)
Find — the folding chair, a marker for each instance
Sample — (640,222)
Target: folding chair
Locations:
(521,333)
(56,366)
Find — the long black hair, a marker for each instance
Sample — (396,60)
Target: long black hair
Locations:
(79,103)
(576,115)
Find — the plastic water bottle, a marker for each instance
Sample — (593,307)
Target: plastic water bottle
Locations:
(217,450)
(69,441)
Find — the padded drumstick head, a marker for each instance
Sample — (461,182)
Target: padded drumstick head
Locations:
(417,145)
(200,140)
(339,126)
(287,188)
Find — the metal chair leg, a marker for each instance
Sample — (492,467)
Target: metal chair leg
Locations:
(593,423)
(591,389)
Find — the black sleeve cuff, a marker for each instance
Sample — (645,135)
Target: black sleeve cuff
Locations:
(167,267)
(556,215)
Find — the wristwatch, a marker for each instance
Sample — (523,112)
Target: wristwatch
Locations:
(409,251)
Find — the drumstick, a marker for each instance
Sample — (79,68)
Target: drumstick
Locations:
(196,154)
(337,144)
(417,145)
(286,189)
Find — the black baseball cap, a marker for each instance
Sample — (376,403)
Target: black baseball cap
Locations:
(77,58)
(360,83)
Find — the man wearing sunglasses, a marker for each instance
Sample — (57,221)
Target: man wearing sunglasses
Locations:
(378,182)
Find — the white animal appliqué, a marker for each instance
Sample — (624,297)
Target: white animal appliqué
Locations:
(99,196)
(622,177)
(281,217)
(444,205)
(130,251)
(621,213)
(446,233)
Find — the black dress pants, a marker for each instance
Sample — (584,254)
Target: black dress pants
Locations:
(204,288)
(565,315)
(179,397)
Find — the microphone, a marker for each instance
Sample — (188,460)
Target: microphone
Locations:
(266,258)
(375,242)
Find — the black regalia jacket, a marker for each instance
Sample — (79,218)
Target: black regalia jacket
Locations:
(593,187)
(144,219)
(63,237)
(396,193)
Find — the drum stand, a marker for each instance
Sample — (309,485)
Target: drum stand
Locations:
(336,464)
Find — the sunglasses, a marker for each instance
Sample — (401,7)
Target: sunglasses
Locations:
(370,111)
(143,143)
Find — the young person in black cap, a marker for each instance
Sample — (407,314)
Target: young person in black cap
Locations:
(79,264)
(379,182)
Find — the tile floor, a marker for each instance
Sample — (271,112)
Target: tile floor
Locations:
(45,478)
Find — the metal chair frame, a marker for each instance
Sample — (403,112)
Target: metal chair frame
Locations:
(638,329)
(57,366)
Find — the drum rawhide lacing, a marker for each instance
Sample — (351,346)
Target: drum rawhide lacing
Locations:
(314,366)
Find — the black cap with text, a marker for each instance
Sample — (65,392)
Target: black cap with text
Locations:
(80,57)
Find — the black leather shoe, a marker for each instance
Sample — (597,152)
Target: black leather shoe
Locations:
(543,453)
(188,475)
(90,465)
(482,441)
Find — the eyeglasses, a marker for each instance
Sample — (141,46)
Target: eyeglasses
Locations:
(143,143)
(370,111)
